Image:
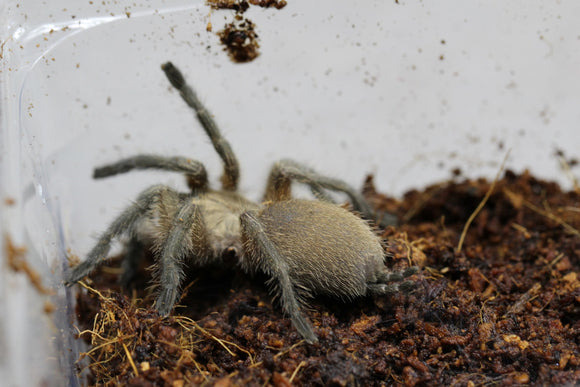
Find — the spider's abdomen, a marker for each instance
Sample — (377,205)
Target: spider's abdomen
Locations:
(327,249)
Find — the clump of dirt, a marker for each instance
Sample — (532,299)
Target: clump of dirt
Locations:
(278,4)
(240,6)
(240,40)
(239,36)
(503,309)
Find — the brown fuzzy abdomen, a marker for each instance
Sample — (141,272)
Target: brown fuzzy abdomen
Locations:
(327,249)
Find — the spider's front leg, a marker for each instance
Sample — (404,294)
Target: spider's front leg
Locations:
(181,236)
(264,255)
(231,172)
(124,224)
(194,170)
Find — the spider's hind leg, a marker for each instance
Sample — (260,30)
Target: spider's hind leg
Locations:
(270,261)
(393,282)
(285,171)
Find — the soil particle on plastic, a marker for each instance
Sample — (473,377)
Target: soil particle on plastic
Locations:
(239,37)
(240,40)
(239,6)
(504,310)
(242,5)
(278,4)
(16,261)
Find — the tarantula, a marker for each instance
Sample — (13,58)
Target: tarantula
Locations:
(307,247)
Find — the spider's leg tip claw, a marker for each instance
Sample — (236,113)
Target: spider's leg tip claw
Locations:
(174,75)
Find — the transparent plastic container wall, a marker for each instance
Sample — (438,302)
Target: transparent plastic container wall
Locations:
(404,90)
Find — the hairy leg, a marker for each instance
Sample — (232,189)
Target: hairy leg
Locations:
(194,170)
(274,265)
(123,224)
(174,246)
(285,171)
(397,282)
(320,194)
(231,173)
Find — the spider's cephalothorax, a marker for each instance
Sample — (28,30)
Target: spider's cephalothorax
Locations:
(307,247)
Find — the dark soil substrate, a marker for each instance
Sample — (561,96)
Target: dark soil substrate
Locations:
(504,310)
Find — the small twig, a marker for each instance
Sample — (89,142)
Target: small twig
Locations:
(555,260)
(408,247)
(108,300)
(92,290)
(200,371)
(481,205)
(434,274)
(96,329)
(553,217)
(444,231)
(282,353)
(95,364)
(186,289)
(111,341)
(524,298)
(548,303)
(93,333)
(483,307)
(571,209)
(548,213)
(521,229)
(223,343)
(302,363)
(130,358)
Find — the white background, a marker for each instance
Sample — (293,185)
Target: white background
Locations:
(405,91)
